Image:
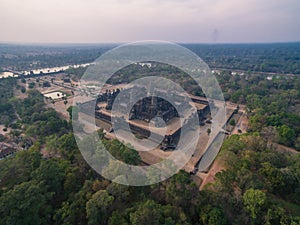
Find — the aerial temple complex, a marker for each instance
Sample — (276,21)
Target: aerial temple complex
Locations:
(146,110)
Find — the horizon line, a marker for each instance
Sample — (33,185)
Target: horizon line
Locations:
(121,43)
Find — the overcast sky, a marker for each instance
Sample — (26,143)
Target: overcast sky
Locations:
(101,21)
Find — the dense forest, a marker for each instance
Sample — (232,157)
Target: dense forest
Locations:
(280,58)
(273,105)
(259,186)
(30,57)
(49,182)
(6,106)
(277,58)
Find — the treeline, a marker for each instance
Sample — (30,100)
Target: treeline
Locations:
(30,57)
(277,58)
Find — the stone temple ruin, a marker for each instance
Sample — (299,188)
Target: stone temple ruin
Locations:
(146,110)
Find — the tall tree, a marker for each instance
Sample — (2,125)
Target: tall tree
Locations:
(98,207)
(254,200)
